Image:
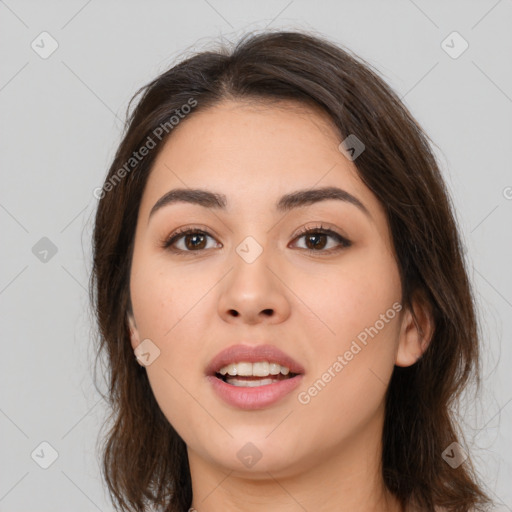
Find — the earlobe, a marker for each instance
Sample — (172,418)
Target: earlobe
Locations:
(134,333)
(415,334)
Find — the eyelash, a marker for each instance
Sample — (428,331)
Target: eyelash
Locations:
(319,229)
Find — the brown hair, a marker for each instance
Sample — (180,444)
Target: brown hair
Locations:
(144,459)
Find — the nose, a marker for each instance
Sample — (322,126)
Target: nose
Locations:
(254,293)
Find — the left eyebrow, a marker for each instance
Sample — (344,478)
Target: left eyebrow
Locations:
(314,195)
(297,199)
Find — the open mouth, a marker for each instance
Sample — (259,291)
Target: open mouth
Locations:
(250,381)
(261,373)
(252,377)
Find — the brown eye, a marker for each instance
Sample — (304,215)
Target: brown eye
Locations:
(194,240)
(317,239)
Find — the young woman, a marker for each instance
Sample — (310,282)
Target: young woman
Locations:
(275,244)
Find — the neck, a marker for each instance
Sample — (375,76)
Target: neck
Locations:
(343,480)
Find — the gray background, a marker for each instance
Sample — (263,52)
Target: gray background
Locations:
(62,118)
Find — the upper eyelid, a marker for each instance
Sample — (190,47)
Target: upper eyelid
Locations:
(170,240)
(203,229)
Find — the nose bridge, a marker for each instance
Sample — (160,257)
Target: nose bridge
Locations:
(250,249)
(253,236)
(250,264)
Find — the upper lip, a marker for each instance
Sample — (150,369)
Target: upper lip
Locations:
(252,354)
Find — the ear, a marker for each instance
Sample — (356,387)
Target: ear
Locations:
(416,331)
(134,333)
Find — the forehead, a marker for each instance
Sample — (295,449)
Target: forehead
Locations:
(254,153)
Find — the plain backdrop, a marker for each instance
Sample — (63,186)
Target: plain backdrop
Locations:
(62,115)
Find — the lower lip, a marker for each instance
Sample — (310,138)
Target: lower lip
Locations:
(256,397)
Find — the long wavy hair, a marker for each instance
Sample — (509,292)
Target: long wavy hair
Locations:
(144,460)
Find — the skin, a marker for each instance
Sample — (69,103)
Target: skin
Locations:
(324,455)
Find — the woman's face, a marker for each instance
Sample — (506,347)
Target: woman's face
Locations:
(250,276)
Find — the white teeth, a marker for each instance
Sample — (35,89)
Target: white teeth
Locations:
(243,369)
(259,369)
(250,383)
(274,368)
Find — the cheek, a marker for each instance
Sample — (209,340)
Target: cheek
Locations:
(343,300)
(161,297)
(174,307)
(345,390)
(170,310)
(353,348)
